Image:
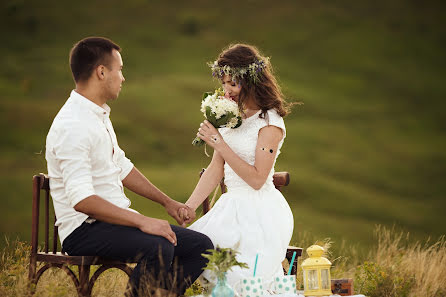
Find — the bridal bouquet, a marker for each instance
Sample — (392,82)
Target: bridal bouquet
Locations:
(219,111)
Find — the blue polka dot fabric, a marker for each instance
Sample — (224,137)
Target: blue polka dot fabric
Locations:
(285,284)
(251,287)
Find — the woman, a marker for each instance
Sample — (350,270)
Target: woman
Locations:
(252,217)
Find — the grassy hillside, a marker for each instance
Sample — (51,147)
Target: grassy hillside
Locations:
(366,148)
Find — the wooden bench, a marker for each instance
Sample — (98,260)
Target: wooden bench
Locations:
(280,179)
(55,258)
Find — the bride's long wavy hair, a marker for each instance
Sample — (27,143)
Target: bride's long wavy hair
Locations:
(265,92)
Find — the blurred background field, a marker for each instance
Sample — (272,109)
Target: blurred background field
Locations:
(367,147)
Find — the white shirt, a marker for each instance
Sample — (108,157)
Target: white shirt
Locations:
(83,159)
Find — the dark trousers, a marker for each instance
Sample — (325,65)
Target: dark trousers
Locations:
(160,264)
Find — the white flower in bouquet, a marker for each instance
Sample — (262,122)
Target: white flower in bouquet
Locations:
(219,111)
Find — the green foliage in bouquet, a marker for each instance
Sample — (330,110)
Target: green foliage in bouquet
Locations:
(222,260)
(219,111)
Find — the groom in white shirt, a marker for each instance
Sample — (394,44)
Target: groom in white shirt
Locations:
(88,171)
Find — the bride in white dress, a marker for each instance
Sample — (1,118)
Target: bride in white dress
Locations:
(252,217)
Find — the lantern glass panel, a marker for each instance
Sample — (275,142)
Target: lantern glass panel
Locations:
(324,279)
(312,280)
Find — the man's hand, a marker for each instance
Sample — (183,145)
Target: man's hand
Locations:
(103,210)
(187,214)
(173,209)
(158,227)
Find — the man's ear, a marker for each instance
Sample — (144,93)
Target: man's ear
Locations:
(100,72)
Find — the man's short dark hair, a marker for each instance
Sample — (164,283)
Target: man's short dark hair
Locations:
(89,53)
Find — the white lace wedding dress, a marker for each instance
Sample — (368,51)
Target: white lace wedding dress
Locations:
(247,220)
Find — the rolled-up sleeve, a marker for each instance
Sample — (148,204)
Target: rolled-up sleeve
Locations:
(124,163)
(72,151)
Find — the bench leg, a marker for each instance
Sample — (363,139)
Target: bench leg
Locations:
(32,275)
(84,277)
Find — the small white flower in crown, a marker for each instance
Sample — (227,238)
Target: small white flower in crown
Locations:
(253,70)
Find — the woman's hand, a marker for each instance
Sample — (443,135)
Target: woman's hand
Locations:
(174,209)
(187,214)
(210,135)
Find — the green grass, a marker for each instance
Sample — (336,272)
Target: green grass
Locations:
(366,148)
(394,267)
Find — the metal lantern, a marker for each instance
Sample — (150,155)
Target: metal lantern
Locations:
(316,271)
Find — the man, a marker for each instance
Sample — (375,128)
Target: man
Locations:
(88,171)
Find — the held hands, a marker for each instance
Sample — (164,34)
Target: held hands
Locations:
(182,213)
(187,214)
(210,135)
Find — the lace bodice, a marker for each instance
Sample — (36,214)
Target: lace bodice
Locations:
(243,141)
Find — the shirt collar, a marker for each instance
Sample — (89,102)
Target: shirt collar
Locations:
(103,111)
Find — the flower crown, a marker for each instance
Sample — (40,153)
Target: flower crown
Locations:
(252,71)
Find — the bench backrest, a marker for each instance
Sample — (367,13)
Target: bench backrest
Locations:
(41,183)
